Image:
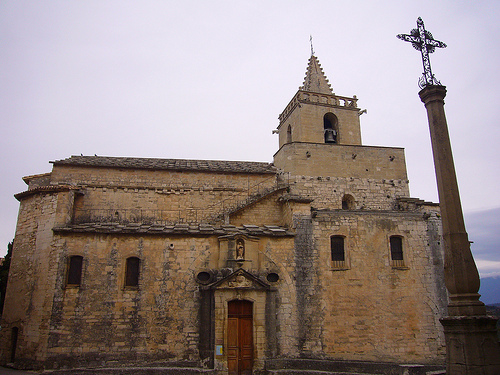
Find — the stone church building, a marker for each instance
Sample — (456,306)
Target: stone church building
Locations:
(318,259)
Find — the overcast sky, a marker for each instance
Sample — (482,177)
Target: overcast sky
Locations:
(208,79)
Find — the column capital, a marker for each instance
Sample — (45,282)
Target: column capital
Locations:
(432,93)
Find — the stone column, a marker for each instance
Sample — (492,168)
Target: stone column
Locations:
(471,338)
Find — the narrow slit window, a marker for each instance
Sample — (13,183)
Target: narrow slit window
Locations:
(289,134)
(132,271)
(75,270)
(13,344)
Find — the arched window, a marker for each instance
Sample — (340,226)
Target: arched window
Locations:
(75,270)
(132,271)
(337,252)
(330,128)
(348,202)
(396,244)
(289,134)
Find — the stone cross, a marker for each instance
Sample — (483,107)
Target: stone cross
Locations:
(423,41)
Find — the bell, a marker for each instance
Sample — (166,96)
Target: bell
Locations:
(329,136)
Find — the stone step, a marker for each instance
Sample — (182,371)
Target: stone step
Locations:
(312,372)
(134,371)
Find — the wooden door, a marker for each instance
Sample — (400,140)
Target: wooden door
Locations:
(240,338)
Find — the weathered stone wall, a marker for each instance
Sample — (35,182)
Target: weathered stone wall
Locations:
(355,312)
(153,178)
(264,212)
(29,291)
(157,195)
(368,194)
(369,310)
(377,311)
(104,320)
(340,161)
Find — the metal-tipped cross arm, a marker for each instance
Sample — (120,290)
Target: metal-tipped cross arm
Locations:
(423,41)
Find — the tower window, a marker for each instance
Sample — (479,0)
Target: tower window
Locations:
(78,206)
(337,252)
(330,125)
(348,202)
(289,134)
(397,258)
(75,270)
(132,271)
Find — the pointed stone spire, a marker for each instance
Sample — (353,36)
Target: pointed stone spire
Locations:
(315,80)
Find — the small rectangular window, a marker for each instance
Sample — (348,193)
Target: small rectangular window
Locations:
(337,252)
(75,270)
(397,258)
(337,243)
(132,271)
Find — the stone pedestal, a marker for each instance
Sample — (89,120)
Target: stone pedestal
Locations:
(471,339)
(471,345)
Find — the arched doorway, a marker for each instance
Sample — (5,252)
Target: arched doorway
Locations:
(240,337)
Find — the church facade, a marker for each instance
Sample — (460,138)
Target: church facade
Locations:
(239,267)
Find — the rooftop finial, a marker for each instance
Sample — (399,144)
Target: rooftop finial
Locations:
(311,40)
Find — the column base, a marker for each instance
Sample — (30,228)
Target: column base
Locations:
(472,345)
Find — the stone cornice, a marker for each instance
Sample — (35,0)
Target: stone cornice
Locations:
(44,190)
(174,229)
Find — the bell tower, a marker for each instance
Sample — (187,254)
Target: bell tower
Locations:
(317,115)
(320,135)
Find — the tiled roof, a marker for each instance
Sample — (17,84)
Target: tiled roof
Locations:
(169,164)
(175,229)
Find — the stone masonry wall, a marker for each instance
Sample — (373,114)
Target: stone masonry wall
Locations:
(160,179)
(341,161)
(102,320)
(369,194)
(29,289)
(373,310)
(164,196)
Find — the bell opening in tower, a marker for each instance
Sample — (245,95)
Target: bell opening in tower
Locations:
(330,128)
